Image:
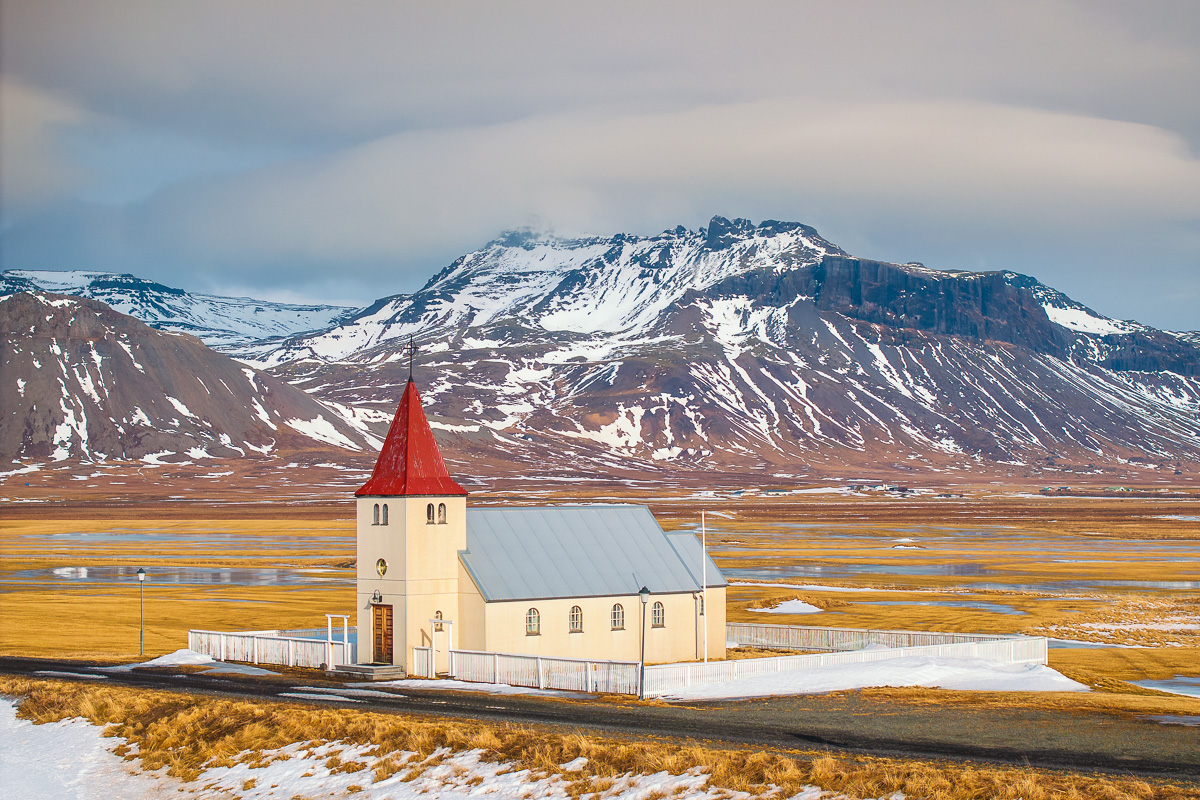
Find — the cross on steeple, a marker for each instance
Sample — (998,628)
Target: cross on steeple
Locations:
(412,352)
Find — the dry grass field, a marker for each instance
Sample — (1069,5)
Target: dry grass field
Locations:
(275,550)
(186,734)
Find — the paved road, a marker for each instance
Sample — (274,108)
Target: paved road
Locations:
(847,723)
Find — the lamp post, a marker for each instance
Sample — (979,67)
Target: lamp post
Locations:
(141,573)
(644,594)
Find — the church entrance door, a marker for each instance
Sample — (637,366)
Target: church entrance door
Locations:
(382,631)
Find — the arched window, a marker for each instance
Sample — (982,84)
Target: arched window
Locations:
(441,513)
(383,519)
(701,605)
(437,626)
(429,514)
(375,515)
(533,622)
(658,615)
(618,617)
(576,619)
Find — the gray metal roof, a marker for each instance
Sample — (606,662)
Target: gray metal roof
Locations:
(578,551)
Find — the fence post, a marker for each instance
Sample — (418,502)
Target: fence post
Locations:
(496,668)
(291,653)
(255,649)
(588,675)
(224,639)
(541,674)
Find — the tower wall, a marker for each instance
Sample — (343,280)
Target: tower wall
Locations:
(422,576)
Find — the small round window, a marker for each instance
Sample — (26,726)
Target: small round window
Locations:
(381,567)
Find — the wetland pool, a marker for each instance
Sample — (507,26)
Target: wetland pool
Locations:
(314,577)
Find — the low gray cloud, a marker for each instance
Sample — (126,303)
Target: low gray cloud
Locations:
(361,148)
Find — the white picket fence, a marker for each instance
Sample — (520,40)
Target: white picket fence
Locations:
(422,663)
(540,672)
(844,646)
(803,637)
(665,678)
(285,648)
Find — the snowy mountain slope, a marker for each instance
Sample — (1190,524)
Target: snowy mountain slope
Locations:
(591,286)
(761,347)
(78,379)
(220,322)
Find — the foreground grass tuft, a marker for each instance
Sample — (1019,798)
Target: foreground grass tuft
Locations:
(188,734)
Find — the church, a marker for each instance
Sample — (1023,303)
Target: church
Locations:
(561,581)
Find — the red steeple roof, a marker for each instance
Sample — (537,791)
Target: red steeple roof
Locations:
(409,463)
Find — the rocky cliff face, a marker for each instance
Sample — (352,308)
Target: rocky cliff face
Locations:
(761,349)
(743,347)
(78,379)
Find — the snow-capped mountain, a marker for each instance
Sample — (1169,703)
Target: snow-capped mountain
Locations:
(764,346)
(78,379)
(220,322)
(749,348)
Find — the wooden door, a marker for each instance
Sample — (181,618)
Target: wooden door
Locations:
(382,630)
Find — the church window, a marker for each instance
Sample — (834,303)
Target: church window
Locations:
(381,567)
(702,605)
(533,622)
(383,518)
(618,617)
(437,626)
(441,513)
(658,615)
(576,619)
(375,515)
(429,514)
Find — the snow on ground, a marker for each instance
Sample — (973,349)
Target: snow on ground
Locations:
(790,607)
(1079,319)
(462,686)
(180,658)
(965,674)
(67,760)
(73,760)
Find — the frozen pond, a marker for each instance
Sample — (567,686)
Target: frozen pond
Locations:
(317,578)
(979,605)
(1180,684)
(848,570)
(191,538)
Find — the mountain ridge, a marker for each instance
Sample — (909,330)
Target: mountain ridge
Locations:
(220,322)
(82,380)
(757,349)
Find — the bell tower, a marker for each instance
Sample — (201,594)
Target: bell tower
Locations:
(411,526)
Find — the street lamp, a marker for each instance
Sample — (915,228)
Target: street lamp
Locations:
(644,593)
(141,573)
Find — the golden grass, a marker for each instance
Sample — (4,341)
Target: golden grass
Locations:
(187,734)
(101,620)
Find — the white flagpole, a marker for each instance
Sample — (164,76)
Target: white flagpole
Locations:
(704,580)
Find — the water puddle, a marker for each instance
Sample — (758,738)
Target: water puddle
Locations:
(317,578)
(979,605)
(1180,684)
(1173,719)
(847,570)
(213,538)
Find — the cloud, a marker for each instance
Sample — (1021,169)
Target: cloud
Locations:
(285,146)
(410,202)
(35,170)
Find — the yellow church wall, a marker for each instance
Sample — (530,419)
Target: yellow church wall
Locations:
(375,542)
(471,614)
(679,639)
(422,575)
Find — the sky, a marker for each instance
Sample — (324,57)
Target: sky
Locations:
(341,152)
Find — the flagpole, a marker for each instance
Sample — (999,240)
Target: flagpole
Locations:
(704,581)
